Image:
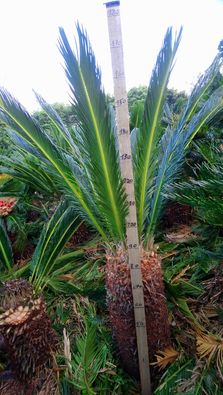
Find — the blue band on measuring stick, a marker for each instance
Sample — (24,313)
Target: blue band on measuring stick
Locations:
(112,4)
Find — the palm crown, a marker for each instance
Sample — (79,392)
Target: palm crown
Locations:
(83,163)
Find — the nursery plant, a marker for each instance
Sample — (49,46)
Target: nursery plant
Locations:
(28,340)
(23,212)
(204,192)
(61,276)
(83,165)
(26,332)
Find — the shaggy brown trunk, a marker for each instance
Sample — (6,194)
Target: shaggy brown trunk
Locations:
(29,340)
(121,311)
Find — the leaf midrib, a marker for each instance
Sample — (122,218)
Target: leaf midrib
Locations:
(103,159)
(56,246)
(62,174)
(148,156)
(161,180)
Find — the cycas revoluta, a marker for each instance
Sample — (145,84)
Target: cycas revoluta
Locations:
(25,329)
(84,166)
(204,191)
(29,339)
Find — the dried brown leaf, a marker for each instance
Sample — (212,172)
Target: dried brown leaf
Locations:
(211,348)
(165,357)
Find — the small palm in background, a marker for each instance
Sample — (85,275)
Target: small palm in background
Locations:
(194,277)
(82,164)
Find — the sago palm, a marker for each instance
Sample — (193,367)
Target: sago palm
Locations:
(29,340)
(84,166)
(25,329)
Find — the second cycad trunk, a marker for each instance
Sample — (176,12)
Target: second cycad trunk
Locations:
(29,340)
(120,304)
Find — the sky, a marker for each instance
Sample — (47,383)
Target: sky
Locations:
(30,58)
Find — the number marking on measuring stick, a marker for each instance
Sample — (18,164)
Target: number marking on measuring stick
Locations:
(122,120)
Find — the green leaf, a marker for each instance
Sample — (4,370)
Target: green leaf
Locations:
(209,109)
(173,375)
(6,256)
(145,158)
(12,187)
(27,127)
(28,170)
(88,360)
(96,139)
(183,307)
(200,89)
(172,152)
(60,128)
(52,241)
(136,114)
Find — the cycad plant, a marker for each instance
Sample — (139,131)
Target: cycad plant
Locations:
(83,164)
(204,192)
(28,338)
(25,328)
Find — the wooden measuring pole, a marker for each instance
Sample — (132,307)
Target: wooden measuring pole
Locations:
(122,120)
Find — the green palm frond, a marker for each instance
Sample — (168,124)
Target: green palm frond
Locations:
(27,127)
(61,132)
(210,151)
(208,204)
(190,377)
(96,139)
(83,163)
(210,108)
(172,152)
(204,190)
(30,171)
(177,372)
(22,146)
(6,256)
(16,224)
(204,193)
(88,360)
(12,187)
(148,136)
(78,276)
(52,242)
(136,115)
(200,90)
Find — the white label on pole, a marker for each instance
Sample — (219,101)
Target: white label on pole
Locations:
(122,119)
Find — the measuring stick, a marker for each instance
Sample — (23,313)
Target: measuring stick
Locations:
(122,119)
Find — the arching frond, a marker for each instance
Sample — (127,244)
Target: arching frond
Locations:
(172,152)
(29,172)
(64,136)
(96,140)
(24,125)
(52,241)
(199,91)
(146,149)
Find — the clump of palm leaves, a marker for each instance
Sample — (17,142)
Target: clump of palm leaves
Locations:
(193,279)
(203,191)
(190,376)
(53,263)
(21,304)
(82,164)
(90,366)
